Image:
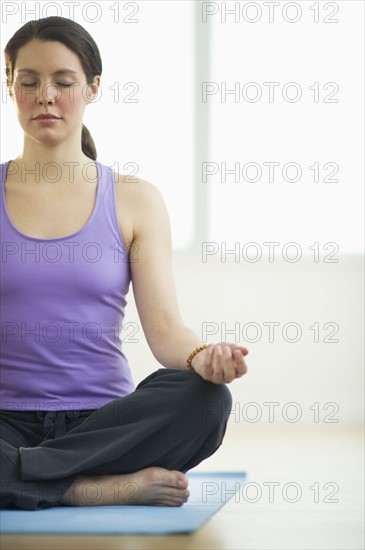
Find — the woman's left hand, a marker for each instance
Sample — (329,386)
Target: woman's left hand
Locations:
(221,363)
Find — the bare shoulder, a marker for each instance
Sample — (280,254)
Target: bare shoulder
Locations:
(138,189)
(137,200)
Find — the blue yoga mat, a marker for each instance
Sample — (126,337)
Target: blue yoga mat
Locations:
(209,491)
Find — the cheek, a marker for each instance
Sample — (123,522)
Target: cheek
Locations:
(68,100)
(71,100)
(25,100)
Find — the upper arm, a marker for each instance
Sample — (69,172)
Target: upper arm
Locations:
(151,260)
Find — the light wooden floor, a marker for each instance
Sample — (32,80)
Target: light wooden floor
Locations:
(306,460)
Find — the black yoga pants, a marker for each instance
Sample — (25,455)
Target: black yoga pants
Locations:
(174,419)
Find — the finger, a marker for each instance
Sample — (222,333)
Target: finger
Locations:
(240,365)
(228,364)
(217,375)
(242,349)
(208,362)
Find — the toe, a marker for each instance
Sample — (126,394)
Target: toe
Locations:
(180,479)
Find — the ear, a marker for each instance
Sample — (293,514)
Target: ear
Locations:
(93,89)
(11,89)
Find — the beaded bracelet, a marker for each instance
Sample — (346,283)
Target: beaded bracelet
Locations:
(193,354)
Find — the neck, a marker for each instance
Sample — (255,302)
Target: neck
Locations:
(52,165)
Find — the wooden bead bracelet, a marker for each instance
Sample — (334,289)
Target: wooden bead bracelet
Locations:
(193,354)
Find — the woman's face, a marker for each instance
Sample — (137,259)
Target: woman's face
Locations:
(49,79)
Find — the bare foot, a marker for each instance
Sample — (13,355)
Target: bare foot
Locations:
(152,486)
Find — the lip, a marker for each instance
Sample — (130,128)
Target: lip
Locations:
(46,117)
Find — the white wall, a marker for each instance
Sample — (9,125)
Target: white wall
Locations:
(302,372)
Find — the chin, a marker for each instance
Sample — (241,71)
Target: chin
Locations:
(43,139)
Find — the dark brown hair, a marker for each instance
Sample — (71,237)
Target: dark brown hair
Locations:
(72,35)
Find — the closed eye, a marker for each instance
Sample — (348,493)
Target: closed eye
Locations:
(62,84)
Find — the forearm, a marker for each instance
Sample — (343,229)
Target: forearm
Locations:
(218,363)
(174,345)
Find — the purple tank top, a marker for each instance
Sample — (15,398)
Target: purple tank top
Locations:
(61,311)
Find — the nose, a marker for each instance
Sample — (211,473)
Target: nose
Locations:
(48,94)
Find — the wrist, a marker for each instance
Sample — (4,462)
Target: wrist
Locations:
(192,356)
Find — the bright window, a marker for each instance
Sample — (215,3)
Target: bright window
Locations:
(316,188)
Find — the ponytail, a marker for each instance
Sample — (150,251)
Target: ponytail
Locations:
(87,143)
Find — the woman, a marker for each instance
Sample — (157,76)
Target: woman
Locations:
(74,429)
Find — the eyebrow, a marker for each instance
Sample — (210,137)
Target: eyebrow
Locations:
(60,71)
